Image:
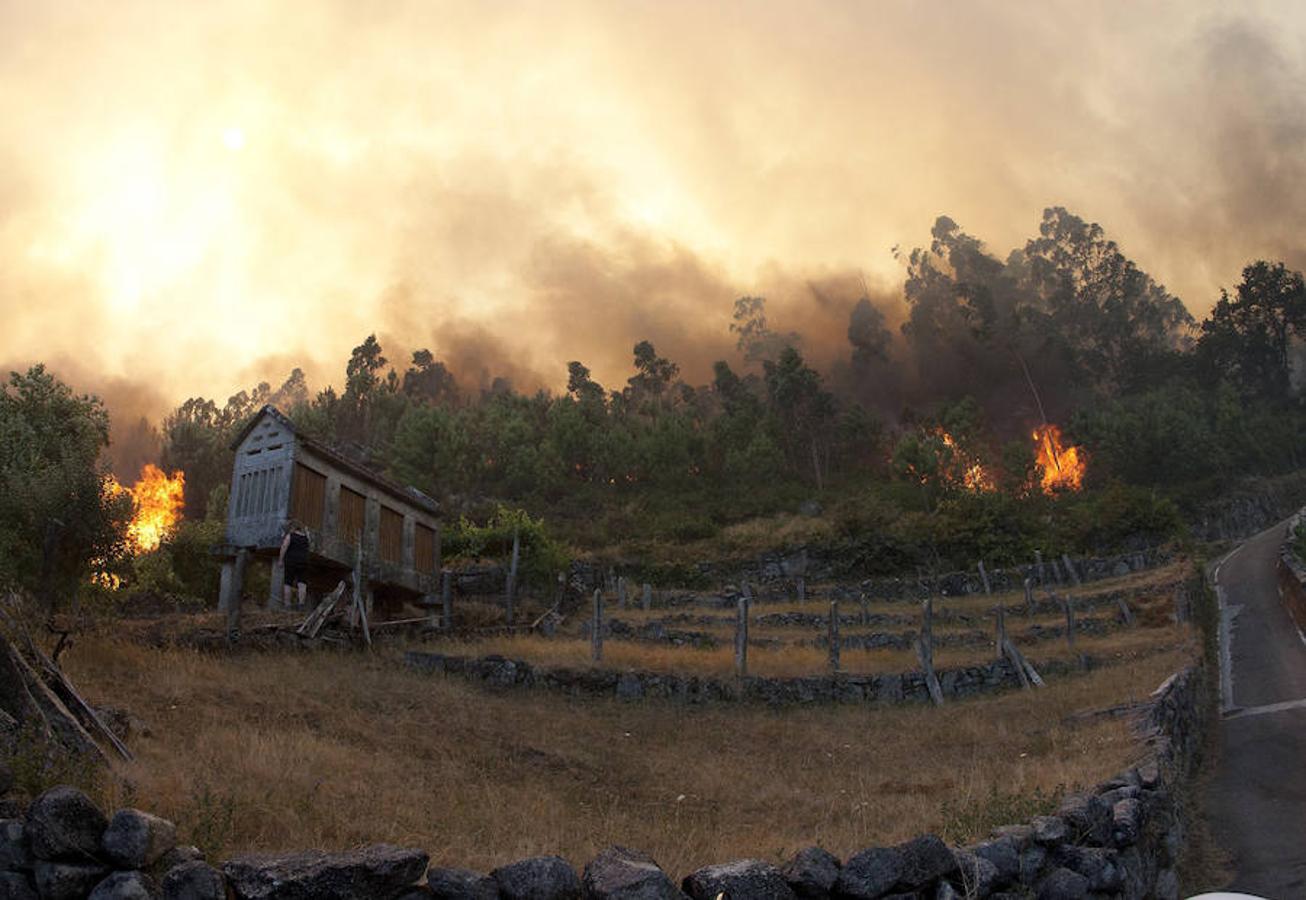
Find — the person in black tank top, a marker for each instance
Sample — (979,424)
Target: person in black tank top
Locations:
(294,561)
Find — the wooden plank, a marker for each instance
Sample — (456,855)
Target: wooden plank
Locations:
(313,622)
(984,579)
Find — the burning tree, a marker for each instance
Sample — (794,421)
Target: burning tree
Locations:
(157,502)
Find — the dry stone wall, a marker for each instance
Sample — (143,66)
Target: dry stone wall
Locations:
(906,687)
(1292,575)
(1122,839)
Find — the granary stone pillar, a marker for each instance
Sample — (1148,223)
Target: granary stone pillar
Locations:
(409,558)
(331,516)
(274,585)
(225,584)
(372,528)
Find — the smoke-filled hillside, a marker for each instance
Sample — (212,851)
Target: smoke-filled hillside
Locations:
(1061,378)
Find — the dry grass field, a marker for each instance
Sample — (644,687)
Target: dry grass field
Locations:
(333,749)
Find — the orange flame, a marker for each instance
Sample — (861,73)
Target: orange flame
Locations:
(962,469)
(1063,467)
(157,501)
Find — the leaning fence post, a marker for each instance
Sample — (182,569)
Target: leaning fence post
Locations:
(741,637)
(1029,596)
(834,636)
(1070,567)
(596,628)
(925,651)
(446,598)
(648,597)
(984,578)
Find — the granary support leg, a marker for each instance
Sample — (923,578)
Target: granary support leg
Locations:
(225,579)
(274,584)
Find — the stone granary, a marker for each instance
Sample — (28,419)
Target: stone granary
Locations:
(356,518)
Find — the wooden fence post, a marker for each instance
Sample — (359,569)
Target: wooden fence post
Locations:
(596,628)
(1126,614)
(648,597)
(834,636)
(446,598)
(1002,630)
(1038,567)
(866,608)
(741,637)
(512,576)
(1070,568)
(1029,596)
(1067,603)
(925,651)
(984,577)
(802,589)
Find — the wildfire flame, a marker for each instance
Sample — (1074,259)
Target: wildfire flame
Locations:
(973,474)
(962,468)
(1063,467)
(156,506)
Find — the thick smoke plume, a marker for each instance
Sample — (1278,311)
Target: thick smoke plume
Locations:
(191,202)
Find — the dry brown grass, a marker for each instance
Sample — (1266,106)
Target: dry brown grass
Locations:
(265,751)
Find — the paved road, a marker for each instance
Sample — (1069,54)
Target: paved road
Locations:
(1257,798)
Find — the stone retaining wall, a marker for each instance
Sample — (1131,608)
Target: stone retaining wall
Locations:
(1120,840)
(905,687)
(1292,576)
(776,568)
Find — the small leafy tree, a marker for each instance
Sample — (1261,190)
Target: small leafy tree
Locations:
(57,522)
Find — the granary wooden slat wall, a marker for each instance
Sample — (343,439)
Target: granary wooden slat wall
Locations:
(391,536)
(353,515)
(308,497)
(424,548)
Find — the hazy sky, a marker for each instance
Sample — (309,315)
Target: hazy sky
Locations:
(199,195)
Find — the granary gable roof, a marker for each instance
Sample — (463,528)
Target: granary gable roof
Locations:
(406,493)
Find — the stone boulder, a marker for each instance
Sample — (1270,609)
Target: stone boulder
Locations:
(925,859)
(869,874)
(537,878)
(744,878)
(1063,884)
(461,884)
(380,870)
(64,824)
(194,880)
(136,840)
(126,886)
(619,873)
(15,853)
(15,886)
(811,873)
(67,881)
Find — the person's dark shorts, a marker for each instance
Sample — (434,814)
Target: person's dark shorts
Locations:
(294,573)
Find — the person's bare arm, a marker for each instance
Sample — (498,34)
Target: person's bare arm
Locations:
(285,545)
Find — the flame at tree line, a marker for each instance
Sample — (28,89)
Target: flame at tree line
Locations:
(157,502)
(1063,467)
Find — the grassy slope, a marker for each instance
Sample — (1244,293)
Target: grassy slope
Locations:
(262,752)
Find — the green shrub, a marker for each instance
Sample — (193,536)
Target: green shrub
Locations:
(541,556)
